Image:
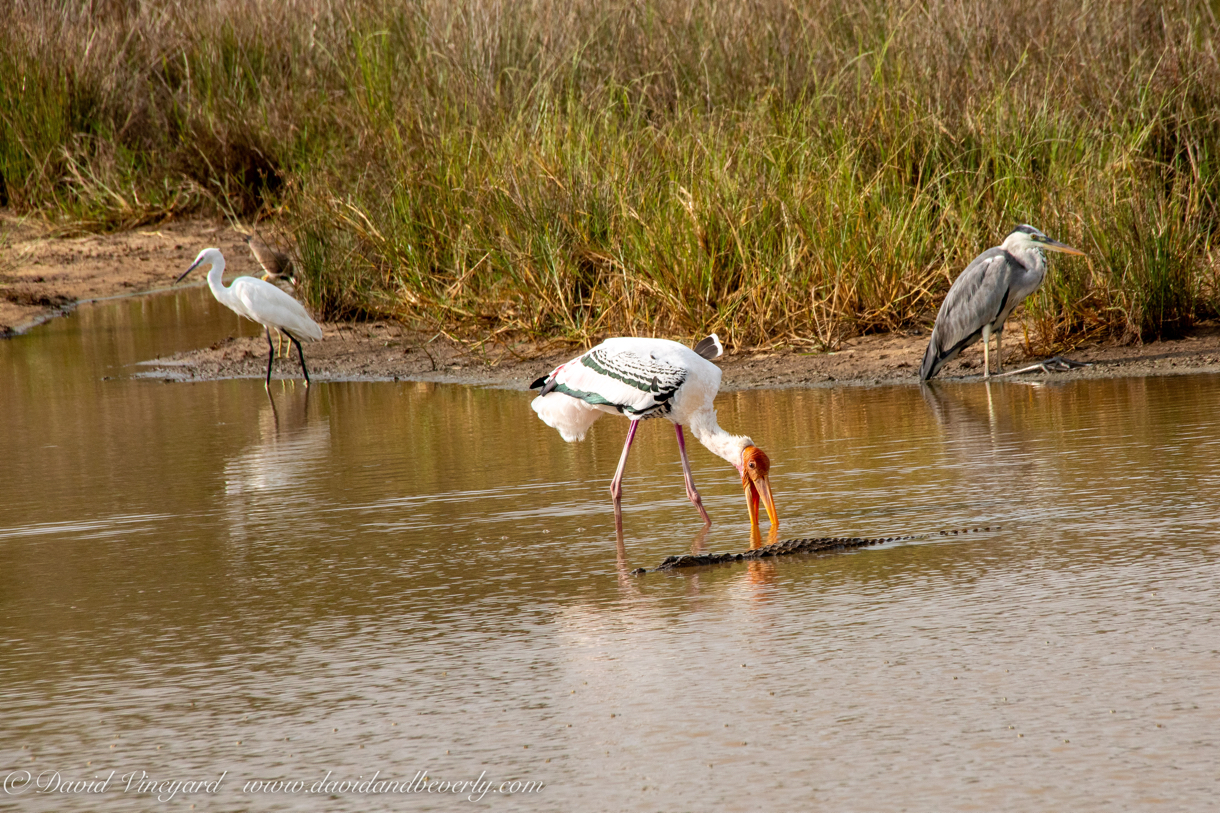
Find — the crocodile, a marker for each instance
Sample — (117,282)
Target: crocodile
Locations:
(819,544)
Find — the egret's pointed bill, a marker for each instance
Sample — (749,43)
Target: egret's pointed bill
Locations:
(194,265)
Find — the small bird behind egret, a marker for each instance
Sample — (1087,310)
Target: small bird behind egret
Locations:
(278,270)
(983,296)
(650,378)
(260,302)
(276,265)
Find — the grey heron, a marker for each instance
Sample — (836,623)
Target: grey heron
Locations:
(983,296)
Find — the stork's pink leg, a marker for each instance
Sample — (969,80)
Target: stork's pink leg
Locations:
(616,485)
(691,494)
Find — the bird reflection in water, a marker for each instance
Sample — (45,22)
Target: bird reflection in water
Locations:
(760,572)
(981,433)
(271,476)
(967,416)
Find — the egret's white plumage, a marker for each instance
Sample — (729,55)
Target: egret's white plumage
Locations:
(648,378)
(261,302)
(278,270)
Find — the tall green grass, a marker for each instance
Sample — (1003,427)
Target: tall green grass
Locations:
(773,171)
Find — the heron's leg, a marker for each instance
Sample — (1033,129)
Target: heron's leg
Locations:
(691,494)
(986,344)
(270,359)
(279,344)
(616,485)
(301,353)
(999,351)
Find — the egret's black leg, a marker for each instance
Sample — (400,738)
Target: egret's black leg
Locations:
(301,353)
(270,359)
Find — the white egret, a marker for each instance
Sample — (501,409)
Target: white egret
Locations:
(260,302)
(649,378)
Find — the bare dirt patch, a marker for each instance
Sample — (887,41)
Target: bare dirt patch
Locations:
(42,275)
(385,351)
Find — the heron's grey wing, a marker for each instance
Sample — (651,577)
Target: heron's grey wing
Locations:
(976,298)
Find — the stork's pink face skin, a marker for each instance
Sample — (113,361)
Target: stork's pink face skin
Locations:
(755,465)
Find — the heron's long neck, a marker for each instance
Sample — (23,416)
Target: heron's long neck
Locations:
(1032,258)
(719,442)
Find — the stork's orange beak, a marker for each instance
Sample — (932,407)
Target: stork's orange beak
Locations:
(754,490)
(755,467)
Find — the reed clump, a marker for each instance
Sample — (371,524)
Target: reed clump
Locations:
(775,172)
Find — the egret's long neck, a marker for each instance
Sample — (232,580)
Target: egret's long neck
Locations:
(719,442)
(214,276)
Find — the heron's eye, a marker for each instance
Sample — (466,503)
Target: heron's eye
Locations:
(751,464)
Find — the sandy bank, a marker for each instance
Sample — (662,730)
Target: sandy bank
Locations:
(42,275)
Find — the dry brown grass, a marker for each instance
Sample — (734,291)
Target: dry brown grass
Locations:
(777,172)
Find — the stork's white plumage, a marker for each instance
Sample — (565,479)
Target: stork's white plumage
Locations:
(261,302)
(650,378)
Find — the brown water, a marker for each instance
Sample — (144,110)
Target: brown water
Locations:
(405,577)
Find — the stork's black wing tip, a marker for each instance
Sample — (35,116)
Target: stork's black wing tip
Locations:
(710,348)
(539,383)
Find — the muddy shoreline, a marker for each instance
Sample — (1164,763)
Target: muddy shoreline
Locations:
(43,275)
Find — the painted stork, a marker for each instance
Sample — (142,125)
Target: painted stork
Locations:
(652,378)
(259,301)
